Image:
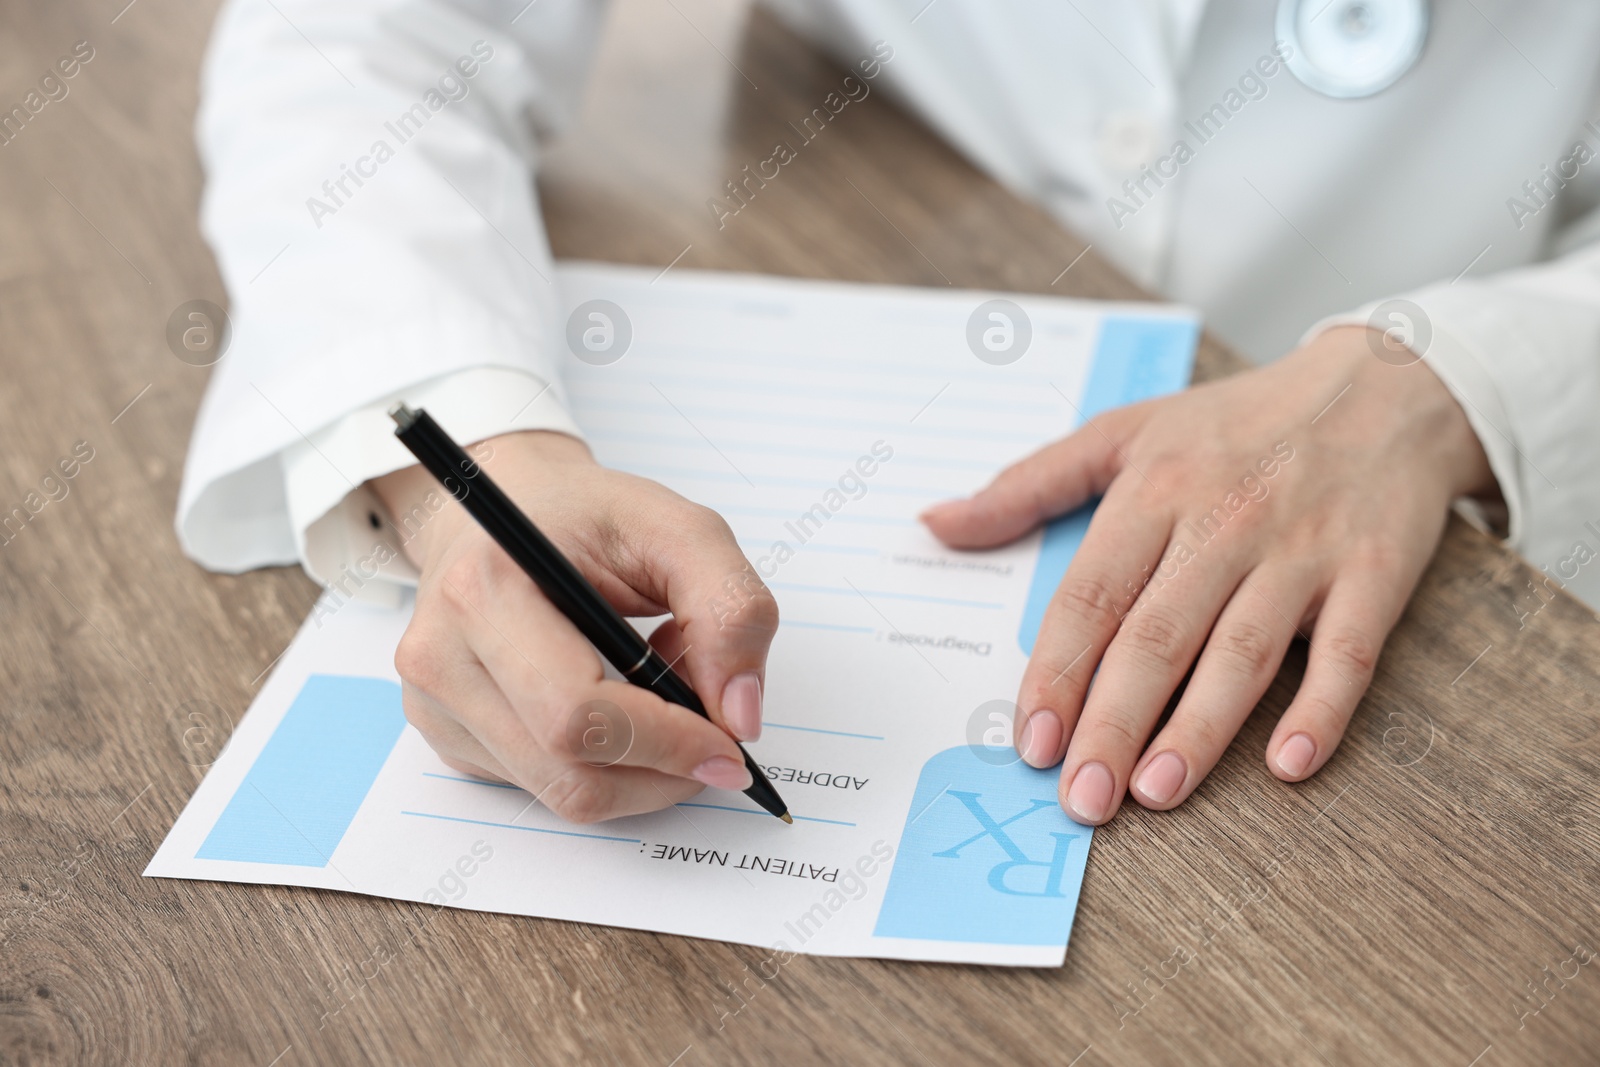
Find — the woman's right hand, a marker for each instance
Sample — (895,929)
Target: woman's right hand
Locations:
(503,686)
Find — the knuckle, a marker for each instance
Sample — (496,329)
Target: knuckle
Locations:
(764,609)
(1247,648)
(1092,598)
(1379,557)
(1121,733)
(1169,466)
(416,660)
(1154,633)
(706,522)
(1056,670)
(753,610)
(1205,734)
(579,797)
(609,535)
(1144,491)
(1318,710)
(1353,650)
(550,722)
(466,584)
(1248,525)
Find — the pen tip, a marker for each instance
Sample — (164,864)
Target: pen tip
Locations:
(786,817)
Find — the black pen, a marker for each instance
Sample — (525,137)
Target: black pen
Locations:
(557,578)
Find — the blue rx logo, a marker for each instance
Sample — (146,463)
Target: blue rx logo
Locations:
(1054,868)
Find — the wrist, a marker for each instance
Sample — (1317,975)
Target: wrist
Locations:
(1409,393)
(412,491)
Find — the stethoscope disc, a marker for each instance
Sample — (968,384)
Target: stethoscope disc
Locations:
(1352,48)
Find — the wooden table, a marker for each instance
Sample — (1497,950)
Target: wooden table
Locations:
(1398,908)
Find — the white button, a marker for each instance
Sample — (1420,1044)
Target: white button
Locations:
(1127,140)
(1352,48)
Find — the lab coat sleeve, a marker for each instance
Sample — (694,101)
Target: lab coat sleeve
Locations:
(369,198)
(1520,351)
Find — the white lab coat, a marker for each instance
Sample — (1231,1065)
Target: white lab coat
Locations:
(1462,187)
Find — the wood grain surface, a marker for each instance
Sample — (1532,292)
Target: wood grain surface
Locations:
(1421,900)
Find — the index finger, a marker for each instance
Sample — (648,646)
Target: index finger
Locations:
(1117,556)
(723,615)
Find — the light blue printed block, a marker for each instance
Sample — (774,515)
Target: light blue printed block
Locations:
(1135,359)
(299,798)
(986,856)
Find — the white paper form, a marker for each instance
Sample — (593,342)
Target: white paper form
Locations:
(818,419)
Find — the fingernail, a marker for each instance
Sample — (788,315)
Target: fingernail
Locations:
(938,509)
(1041,738)
(741,706)
(723,773)
(1090,795)
(1296,755)
(1162,777)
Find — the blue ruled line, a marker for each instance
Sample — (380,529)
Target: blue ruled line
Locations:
(529,829)
(794,623)
(791,450)
(757,811)
(815,730)
(781,513)
(776,481)
(470,781)
(839,550)
(836,590)
(783,418)
(789,390)
(898,370)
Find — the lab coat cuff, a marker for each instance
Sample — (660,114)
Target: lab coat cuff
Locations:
(344,536)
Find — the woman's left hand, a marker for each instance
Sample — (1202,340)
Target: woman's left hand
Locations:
(1302,498)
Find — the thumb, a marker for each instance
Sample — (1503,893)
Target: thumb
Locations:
(723,619)
(1051,482)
